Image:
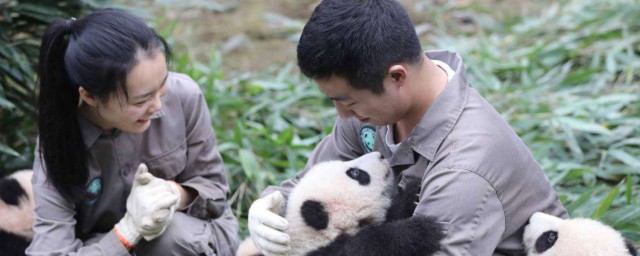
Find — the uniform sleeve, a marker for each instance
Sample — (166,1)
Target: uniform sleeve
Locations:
(54,224)
(204,171)
(341,144)
(469,209)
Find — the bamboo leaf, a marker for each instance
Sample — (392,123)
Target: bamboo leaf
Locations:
(249,163)
(582,199)
(606,203)
(584,126)
(625,157)
(8,150)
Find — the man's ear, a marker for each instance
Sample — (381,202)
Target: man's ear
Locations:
(398,74)
(87,97)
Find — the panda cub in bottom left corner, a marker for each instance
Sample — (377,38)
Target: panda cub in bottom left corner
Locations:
(356,208)
(16,213)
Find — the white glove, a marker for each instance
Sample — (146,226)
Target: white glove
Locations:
(150,208)
(164,193)
(267,227)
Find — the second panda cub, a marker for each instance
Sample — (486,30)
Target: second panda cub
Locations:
(355,208)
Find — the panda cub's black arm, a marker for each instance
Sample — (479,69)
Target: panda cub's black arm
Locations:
(417,235)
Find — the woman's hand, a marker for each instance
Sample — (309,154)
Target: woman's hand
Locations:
(150,208)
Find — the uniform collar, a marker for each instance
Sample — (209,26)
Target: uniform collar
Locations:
(90,132)
(439,120)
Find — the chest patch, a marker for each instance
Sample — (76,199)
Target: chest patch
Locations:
(367,137)
(94,189)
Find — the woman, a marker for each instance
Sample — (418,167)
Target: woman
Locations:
(108,108)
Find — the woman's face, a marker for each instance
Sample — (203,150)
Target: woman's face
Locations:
(145,85)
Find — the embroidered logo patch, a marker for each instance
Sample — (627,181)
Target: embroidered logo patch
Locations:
(93,191)
(368,137)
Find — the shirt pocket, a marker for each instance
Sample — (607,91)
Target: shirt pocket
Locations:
(169,164)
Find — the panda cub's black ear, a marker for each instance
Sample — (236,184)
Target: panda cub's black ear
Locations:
(11,191)
(314,214)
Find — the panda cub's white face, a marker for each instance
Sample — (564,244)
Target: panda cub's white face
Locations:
(547,235)
(336,197)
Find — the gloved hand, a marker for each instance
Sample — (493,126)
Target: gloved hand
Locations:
(163,216)
(150,208)
(267,227)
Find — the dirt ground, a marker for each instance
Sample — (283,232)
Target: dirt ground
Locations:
(254,35)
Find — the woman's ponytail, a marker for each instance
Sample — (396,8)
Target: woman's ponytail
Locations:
(61,143)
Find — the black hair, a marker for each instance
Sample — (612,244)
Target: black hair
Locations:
(357,40)
(95,52)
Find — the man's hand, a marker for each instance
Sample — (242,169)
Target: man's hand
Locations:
(267,227)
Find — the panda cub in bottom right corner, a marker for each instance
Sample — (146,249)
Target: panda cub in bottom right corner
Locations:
(547,235)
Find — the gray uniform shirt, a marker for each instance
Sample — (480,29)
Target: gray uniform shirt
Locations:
(180,145)
(478,177)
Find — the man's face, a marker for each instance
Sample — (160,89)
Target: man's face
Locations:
(383,109)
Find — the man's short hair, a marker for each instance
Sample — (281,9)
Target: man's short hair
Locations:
(357,40)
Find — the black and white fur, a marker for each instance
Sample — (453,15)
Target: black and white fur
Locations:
(16,213)
(355,208)
(547,235)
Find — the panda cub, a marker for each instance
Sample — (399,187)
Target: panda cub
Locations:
(547,235)
(16,213)
(355,208)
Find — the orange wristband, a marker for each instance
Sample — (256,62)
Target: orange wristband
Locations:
(123,240)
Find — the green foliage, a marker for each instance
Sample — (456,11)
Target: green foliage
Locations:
(22,24)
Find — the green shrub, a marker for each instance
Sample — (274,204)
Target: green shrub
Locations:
(22,24)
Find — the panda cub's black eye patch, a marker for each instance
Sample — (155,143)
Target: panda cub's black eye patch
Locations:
(546,241)
(360,175)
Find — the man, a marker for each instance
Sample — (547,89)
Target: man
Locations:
(418,109)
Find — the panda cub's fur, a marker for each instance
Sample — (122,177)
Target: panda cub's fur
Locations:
(547,235)
(16,213)
(355,208)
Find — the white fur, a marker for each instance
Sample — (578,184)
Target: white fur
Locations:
(344,199)
(18,220)
(576,237)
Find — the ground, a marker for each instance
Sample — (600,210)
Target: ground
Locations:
(254,35)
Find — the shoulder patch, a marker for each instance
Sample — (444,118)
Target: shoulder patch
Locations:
(368,137)
(94,189)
